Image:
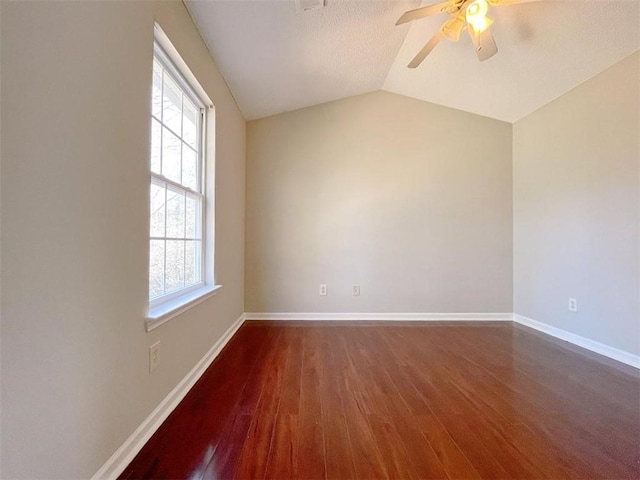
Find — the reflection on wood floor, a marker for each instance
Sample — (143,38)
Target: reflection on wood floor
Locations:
(400,400)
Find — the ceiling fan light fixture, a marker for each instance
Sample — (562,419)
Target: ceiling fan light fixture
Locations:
(469,14)
(453,28)
(476,16)
(480,26)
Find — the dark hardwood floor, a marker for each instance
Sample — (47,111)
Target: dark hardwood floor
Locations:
(419,400)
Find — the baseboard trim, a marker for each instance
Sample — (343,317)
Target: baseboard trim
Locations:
(132,445)
(597,347)
(399,317)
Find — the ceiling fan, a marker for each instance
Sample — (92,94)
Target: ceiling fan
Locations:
(469,14)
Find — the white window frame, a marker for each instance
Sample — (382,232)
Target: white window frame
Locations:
(167,306)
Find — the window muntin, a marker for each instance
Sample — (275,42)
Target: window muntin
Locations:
(177,196)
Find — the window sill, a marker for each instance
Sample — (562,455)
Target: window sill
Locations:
(165,312)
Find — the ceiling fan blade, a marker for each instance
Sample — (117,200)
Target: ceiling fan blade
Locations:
(484,44)
(426,50)
(422,12)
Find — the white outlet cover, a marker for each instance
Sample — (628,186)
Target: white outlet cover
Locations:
(154,356)
(573,305)
(356,290)
(323,289)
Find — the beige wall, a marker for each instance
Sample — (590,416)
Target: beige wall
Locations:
(577,209)
(409,200)
(75,147)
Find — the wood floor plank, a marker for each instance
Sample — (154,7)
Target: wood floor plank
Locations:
(254,457)
(310,431)
(482,458)
(396,459)
(283,455)
(455,463)
(224,461)
(357,403)
(289,403)
(339,460)
(398,423)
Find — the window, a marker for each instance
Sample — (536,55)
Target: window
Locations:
(177,190)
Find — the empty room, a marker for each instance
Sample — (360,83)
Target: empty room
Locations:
(319,239)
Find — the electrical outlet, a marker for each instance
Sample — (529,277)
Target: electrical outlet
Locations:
(323,289)
(154,356)
(355,290)
(573,305)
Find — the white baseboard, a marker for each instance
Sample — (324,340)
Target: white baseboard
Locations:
(597,347)
(132,445)
(399,317)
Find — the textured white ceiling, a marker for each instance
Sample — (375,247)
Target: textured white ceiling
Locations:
(276,59)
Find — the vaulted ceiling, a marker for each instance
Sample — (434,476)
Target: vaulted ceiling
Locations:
(277,59)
